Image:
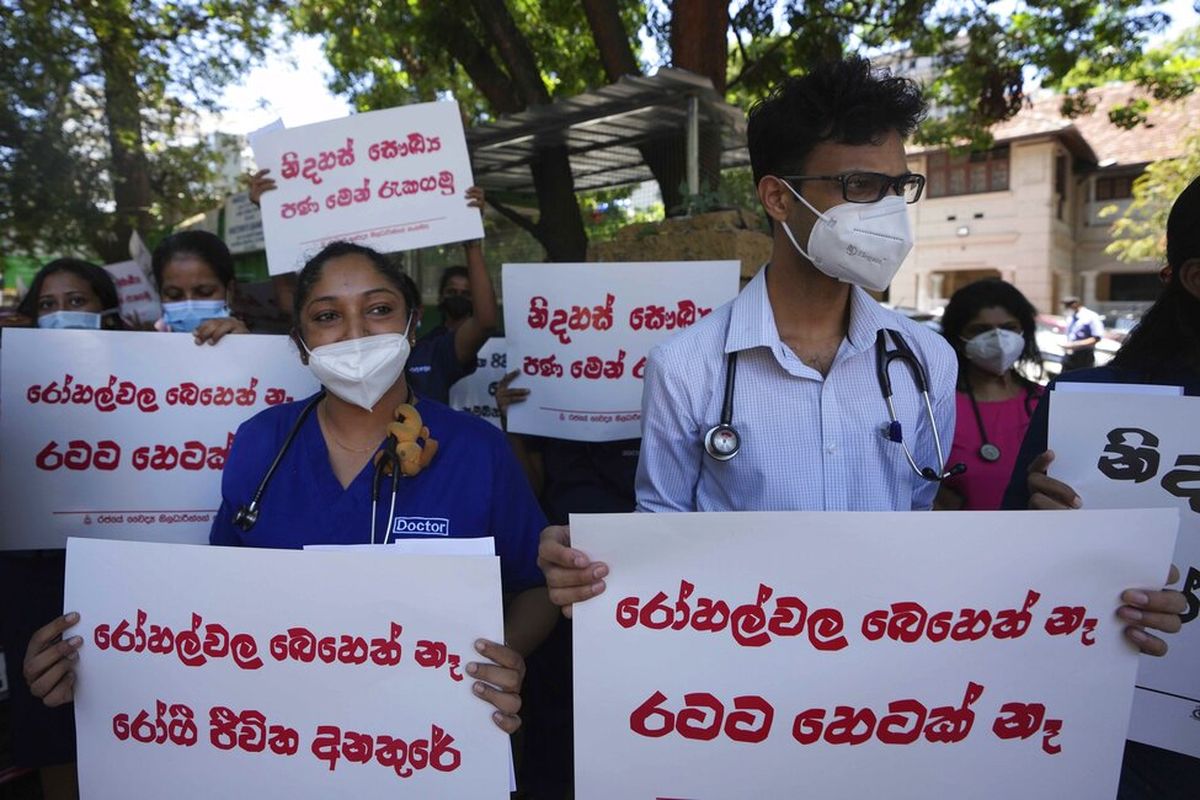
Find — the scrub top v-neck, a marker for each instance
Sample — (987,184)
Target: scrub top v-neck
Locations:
(473,487)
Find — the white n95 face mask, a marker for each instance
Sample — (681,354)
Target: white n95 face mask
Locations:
(859,243)
(360,371)
(995,351)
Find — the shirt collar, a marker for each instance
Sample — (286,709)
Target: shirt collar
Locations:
(867,318)
(752,322)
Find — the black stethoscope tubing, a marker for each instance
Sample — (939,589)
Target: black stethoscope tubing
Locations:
(988,451)
(246,516)
(722,442)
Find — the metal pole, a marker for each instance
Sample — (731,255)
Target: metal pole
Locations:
(693,146)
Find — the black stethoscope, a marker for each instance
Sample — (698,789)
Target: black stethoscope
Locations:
(722,441)
(988,451)
(247,515)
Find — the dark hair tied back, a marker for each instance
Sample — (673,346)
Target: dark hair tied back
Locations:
(315,267)
(206,246)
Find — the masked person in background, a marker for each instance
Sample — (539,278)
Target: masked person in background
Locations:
(1163,349)
(66,293)
(70,293)
(194,273)
(467,303)
(992,328)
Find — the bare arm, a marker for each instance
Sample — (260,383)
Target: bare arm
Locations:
(475,330)
(531,460)
(529,619)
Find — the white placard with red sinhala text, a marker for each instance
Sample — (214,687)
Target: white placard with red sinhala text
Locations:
(391,180)
(248,672)
(123,435)
(579,335)
(857,655)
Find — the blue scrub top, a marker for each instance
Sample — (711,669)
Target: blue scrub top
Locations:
(433,367)
(473,487)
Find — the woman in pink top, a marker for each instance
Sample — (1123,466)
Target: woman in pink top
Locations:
(991,326)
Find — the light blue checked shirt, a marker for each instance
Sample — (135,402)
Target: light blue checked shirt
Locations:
(808,443)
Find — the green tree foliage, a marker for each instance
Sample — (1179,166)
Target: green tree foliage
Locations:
(982,55)
(1165,74)
(1139,234)
(99,105)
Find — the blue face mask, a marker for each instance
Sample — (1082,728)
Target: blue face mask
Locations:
(85,320)
(186,316)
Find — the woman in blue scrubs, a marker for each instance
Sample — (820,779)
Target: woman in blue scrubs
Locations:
(353,313)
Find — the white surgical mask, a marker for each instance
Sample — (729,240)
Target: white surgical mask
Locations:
(996,350)
(859,243)
(360,371)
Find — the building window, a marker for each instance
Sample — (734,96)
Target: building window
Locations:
(967,173)
(1060,183)
(1119,187)
(1138,287)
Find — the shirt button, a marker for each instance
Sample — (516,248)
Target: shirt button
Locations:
(830,448)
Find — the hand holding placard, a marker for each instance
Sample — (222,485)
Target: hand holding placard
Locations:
(341,679)
(391,179)
(1114,449)
(982,661)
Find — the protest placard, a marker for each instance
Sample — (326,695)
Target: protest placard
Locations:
(123,435)
(229,672)
(391,180)
(243,224)
(476,393)
(853,655)
(580,333)
(1122,451)
(136,293)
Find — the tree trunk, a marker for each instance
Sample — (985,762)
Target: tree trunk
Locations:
(560,223)
(559,228)
(122,108)
(698,38)
(699,30)
(666,157)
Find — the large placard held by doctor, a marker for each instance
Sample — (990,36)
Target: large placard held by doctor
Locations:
(579,335)
(391,180)
(858,655)
(1125,450)
(123,435)
(246,672)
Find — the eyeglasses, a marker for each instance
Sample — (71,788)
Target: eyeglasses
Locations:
(871,187)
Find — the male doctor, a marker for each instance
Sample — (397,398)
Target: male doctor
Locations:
(779,399)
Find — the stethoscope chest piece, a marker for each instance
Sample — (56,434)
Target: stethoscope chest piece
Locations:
(722,442)
(989,452)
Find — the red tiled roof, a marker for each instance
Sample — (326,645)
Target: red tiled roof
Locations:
(1162,136)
